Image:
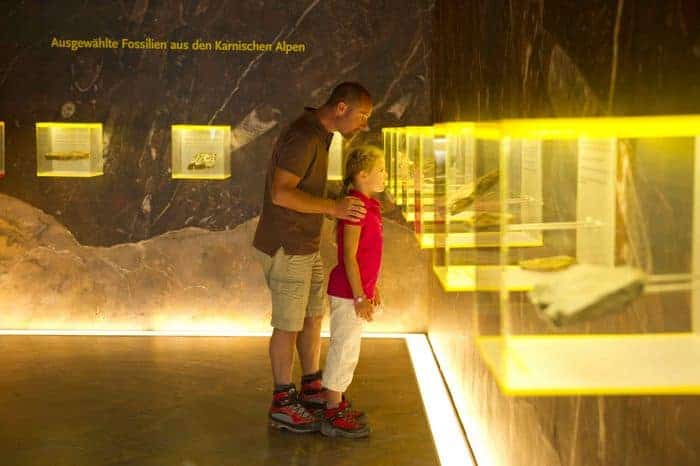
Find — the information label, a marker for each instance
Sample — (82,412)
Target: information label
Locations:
(595,212)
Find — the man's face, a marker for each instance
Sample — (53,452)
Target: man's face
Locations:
(352,118)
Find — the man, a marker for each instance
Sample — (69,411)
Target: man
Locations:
(288,237)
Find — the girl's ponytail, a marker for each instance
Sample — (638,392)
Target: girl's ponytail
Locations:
(347,182)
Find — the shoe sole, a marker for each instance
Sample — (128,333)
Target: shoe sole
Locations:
(297,430)
(330,431)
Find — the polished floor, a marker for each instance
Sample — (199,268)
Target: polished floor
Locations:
(188,401)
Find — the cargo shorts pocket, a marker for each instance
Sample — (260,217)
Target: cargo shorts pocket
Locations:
(289,300)
(288,289)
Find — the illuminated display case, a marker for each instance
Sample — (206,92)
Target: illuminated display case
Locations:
(433,144)
(611,302)
(2,149)
(403,154)
(389,137)
(335,158)
(466,232)
(411,170)
(431,141)
(69,149)
(201,152)
(401,168)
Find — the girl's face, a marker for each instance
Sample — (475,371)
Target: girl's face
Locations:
(376,177)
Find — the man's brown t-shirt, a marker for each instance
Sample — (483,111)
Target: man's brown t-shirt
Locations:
(302,149)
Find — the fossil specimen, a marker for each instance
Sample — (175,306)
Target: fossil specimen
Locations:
(467,195)
(69,155)
(544,264)
(202,160)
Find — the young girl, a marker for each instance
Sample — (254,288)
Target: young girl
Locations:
(352,287)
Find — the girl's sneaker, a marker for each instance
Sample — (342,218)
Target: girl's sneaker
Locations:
(313,397)
(339,422)
(359,415)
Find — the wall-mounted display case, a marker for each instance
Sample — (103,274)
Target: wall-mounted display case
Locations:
(611,300)
(69,149)
(467,233)
(389,138)
(201,152)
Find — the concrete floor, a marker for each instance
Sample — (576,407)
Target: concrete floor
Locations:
(188,401)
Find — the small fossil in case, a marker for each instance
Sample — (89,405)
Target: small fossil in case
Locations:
(202,160)
(70,155)
(546,264)
(466,196)
(488,219)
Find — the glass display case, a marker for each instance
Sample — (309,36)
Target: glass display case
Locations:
(410,170)
(610,302)
(433,145)
(2,149)
(201,152)
(335,158)
(466,233)
(401,162)
(389,138)
(392,138)
(69,149)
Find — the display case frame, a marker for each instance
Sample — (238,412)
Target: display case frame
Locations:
(69,149)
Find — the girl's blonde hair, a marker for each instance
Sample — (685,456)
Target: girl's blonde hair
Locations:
(360,158)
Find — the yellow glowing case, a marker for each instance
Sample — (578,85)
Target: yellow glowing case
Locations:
(389,137)
(466,232)
(201,152)
(408,146)
(433,147)
(400,168)
(615,193)
(431,144)
(69,149)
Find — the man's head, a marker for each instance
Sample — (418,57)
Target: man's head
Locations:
(350,106)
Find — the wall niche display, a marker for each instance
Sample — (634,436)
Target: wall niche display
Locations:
(2,149)
(69,149)
(201,152)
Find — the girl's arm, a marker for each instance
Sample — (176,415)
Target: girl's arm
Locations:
(351,240)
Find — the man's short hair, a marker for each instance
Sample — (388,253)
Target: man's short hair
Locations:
(350,93)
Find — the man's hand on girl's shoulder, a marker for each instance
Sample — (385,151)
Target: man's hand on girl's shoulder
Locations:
(349,208)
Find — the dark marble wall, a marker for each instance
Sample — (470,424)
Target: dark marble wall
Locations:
(518,58)
(137,95)
(524,58)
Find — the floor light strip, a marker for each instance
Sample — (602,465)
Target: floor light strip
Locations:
(447,432)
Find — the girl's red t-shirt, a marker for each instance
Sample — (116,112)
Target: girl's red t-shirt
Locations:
(369,252)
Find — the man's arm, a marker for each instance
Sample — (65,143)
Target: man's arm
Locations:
(285,193)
